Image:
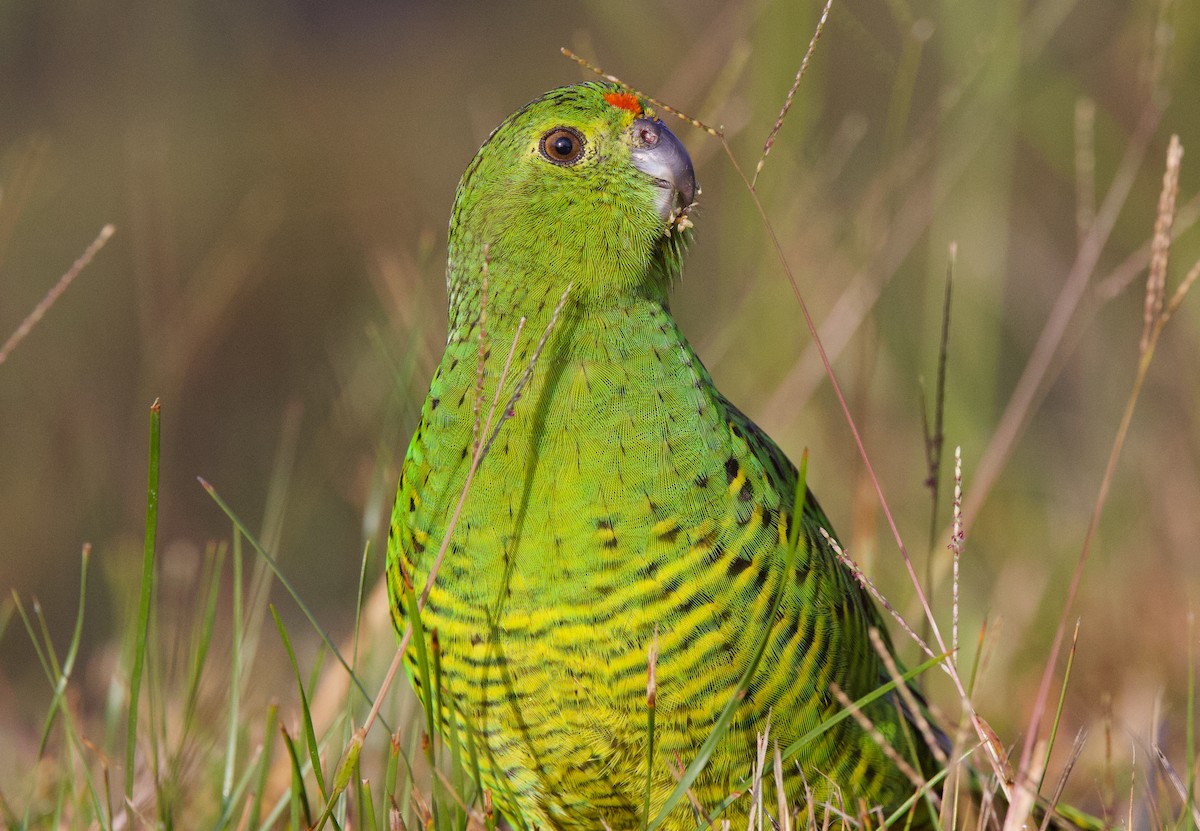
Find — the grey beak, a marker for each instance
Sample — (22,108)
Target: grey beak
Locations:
(657,153)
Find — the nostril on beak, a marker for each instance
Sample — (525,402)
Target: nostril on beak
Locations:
(660,154)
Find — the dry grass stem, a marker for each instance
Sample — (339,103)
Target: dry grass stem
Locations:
(519,387)
(912,707)
(754,820)
(1160,248)
(1085,166)
(957,541)
(64,282)
(1117,280)
(1176,782)
(784,819)
(1181,291)
(934,432)
(866,724)
(1060,786)
(866,583)
(787,103)
(677,771)
(695,122)
(994,748)
(1023,796)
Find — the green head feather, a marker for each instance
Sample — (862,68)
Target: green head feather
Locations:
(567,190)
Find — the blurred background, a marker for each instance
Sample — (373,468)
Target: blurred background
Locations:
(280,175)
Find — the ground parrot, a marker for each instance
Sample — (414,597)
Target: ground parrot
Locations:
(622,503)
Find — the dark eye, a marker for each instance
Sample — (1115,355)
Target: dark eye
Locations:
(562,145)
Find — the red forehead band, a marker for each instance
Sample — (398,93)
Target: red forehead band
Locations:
(624,101)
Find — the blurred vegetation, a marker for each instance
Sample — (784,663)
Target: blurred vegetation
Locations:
(280,174)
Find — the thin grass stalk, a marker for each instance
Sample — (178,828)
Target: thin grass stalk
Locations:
(458,776)
(957,541)
(298,798)
(56,291)
(781,800)
(206,614)
(235,676)
(1085,166)
(264,764)
(1062,698)
(391,771)
(358,611)
(787,102)
(64,677)
(273,517)
(1060,786)
(310,736)
(934,433)
(436,705)
(1189,736)
(651,701)
(142,624)
(366,805)
(911,704)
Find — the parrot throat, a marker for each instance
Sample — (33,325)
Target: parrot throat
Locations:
(508,284)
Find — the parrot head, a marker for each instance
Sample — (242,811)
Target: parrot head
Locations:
(585,185)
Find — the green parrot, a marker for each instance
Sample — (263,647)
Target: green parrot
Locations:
(622,502)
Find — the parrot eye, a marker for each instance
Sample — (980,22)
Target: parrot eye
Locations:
(562,145)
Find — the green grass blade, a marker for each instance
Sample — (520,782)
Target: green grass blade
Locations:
(458,776)
(206,612)
(423,669)
(299,798)
(358,607)
(924,792)
(310,734)
(1189,735)
(1058,711)
(392,771)
(291,590)
(235,675)
(441,819)
(47,642)
(860,704)
(366,806)
(143,618)
(60,688)
(43,658)
(264,765)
